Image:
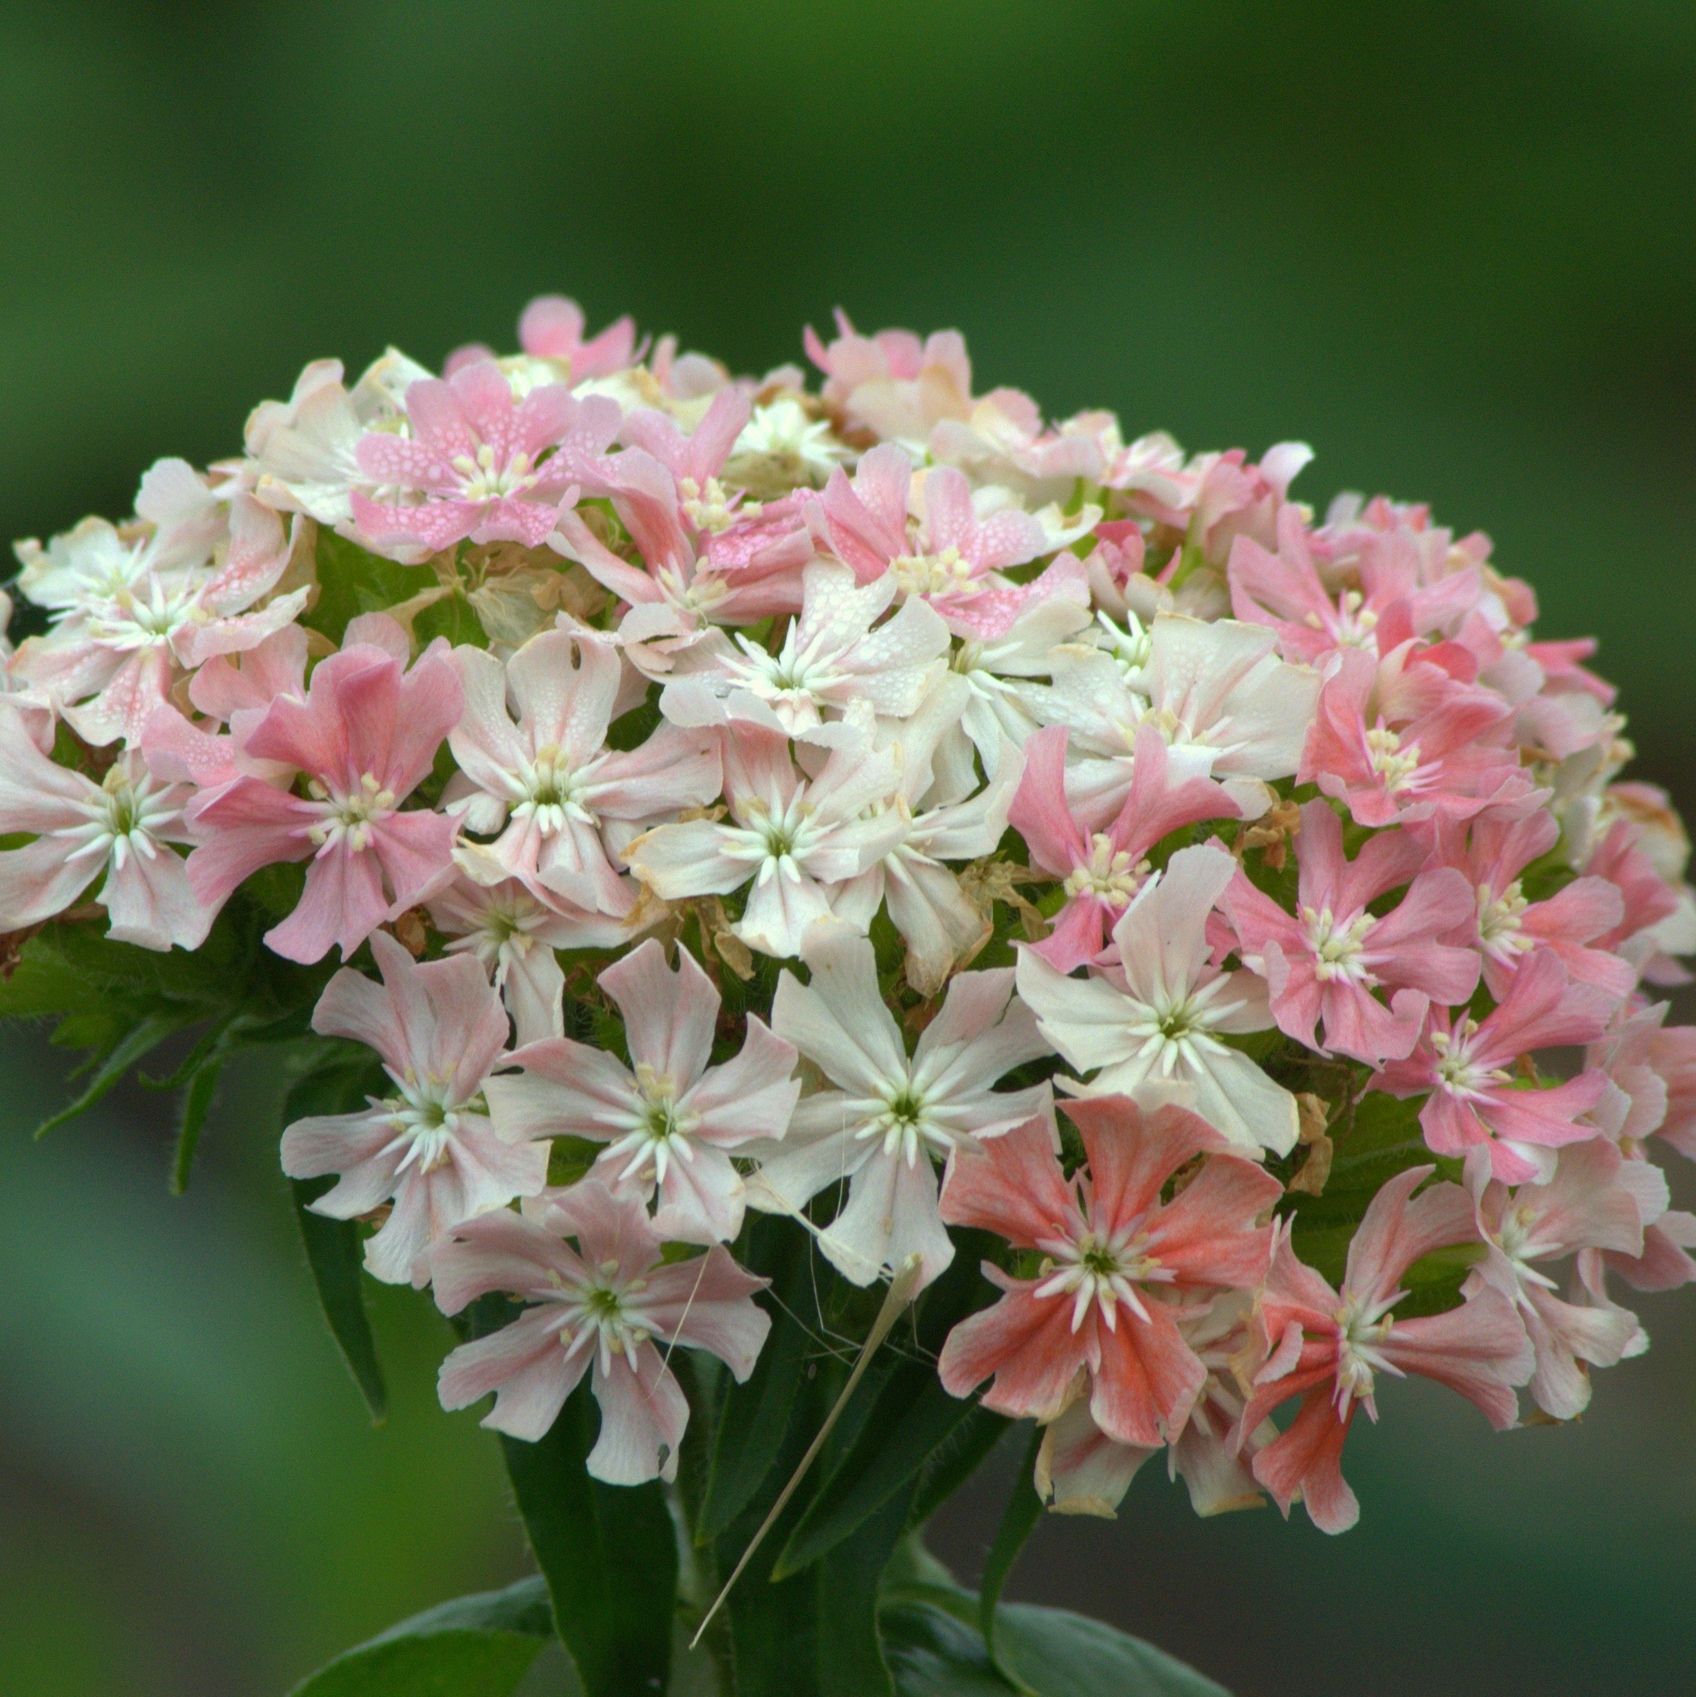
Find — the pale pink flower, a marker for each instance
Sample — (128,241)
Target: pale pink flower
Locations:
(670,1121)
(1467,1066)
(1329,1346)
(551,328)
(1492,852)
(695,460)
(784,446)
(1584,1205)
(889,1115)
(791,837)
(1153,1020)
(363,737)
(1656,921)
(133,612)
(513,933)
(428,1146)
(535,772)
(117,831)
(1324,961)
(1102,870)
(837,662)
(1119,1265)
(893,383)
(303,453)
(1081,1470)
(605,1307)
(477,463)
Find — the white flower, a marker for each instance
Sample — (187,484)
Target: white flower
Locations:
(892,1115)
(1156,1023)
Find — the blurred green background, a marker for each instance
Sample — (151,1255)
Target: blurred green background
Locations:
(1452,246)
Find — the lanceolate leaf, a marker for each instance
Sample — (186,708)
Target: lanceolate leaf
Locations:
(1054,1653)
(851,1659)
(1018,1520)
(478,1646)
(608,1553)
(333,1249)
(142,1040)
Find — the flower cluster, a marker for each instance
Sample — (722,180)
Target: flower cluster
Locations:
(875,806)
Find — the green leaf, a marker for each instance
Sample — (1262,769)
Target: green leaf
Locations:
(197,1104)
(1018,1520)
(754,1417)
(957,1458)
(851,1659)
(899,1431)
(141,1041)
(608,1553)
(333,1247)
(1055,1653)
(479,1646)
(933,1654)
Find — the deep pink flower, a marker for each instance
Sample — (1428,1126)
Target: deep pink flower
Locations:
(608,1304)
(429,1147)
(1325,960)
(1115,1252)
(1329,1346)
(363,738)
(1468,1066)
(478,464)
(1102,870)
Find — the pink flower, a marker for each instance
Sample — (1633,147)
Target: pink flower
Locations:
(606,1305)
(541,780)
(551,327)
(955,556)
(439,1030)
(1583,1206)
(513,933)
(364,737)
(893,383)
(670,1121)
(1324,961)
(478,464)
(1102,870)
(788,835)
(1329,1346)
(1429,747)
(1497,847)
(890,1114)
(1466,1065)
(119,831)
(1118,1265)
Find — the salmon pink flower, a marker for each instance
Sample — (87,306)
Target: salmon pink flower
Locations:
(670,1121)
(428,1146)
(1102,870)
(118,831)
(604,1307)
(890,1115)
(363,738)
(477,464)
(1119,1265)
(1466,1065)
(1329,1346)
(1324,961)
(1153,1018)
(535,772)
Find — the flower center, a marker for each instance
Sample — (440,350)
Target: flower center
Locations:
(1337,947)
(1393,763)
(1108,874)
(349,817)
(554,792)
(1099,1269)
(944,573)
(1500,920)
(486,479)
